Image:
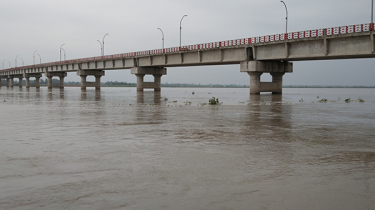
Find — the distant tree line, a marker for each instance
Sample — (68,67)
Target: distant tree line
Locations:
(200,85)
(126,84)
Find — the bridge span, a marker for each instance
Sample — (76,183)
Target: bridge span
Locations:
(271,54)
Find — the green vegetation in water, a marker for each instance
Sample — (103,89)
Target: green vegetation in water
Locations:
(360,100)
(323,100)
(165,98)
(213,101)
(193,93)
(187,103)
(347,100)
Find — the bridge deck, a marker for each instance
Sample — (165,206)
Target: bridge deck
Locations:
(355,41)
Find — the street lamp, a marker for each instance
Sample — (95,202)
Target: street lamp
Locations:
(101,48)
(40,59)
(60,51)
(34,56)
(103,43)
(15,61)
(10,66)
(162,37)
(372,15)
(286,17)
(3,62)
(64,54)
(22,62)
(181,27)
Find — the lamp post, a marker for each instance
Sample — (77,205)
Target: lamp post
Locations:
(286,17)
(372,15)
(40,59)
(15,61)
(162,37)
(10,66)
(34,57)
(22,62)
(3,62)
(60,51)
(181,27)
(103,44)
(64,54)
(101,48)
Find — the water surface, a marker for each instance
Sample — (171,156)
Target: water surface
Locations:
(118,149)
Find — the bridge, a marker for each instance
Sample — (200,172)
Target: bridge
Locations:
(271,54)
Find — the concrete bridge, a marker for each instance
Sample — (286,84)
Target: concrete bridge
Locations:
(271,54)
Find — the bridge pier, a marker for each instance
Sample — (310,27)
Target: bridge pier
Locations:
(20,78)
(1,82)
(37,78)
(50,75)
(157,72)
(256,68)
(84,73)
(10,81)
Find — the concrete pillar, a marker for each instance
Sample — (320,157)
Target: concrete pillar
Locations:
(37,78)
(27,82)
(83,82)
(97,81)
(96,73)
(37,82)
(11,82)
(61,82)
(140,85)
(20,81)
(157,72)
(277,79)
(256,68)
(50,75)
(157,82)
(255,82)
(49,82)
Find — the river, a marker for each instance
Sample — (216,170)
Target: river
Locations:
(309,148)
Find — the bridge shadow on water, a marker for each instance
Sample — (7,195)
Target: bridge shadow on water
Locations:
(92,95)
(149,97)
(269,115)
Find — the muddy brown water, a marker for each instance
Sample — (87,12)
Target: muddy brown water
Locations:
(118,149)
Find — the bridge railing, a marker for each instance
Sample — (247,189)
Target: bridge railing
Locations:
(220,44)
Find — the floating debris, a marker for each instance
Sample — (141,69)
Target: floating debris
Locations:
(213,101)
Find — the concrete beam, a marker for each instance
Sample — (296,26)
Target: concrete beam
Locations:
(149,70)
(55,74)
(266,66)
(90,73)
(32,75)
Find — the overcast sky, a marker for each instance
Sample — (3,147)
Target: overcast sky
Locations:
(44,25)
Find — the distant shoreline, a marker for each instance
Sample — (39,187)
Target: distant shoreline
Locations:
(183,85)
(228,86)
